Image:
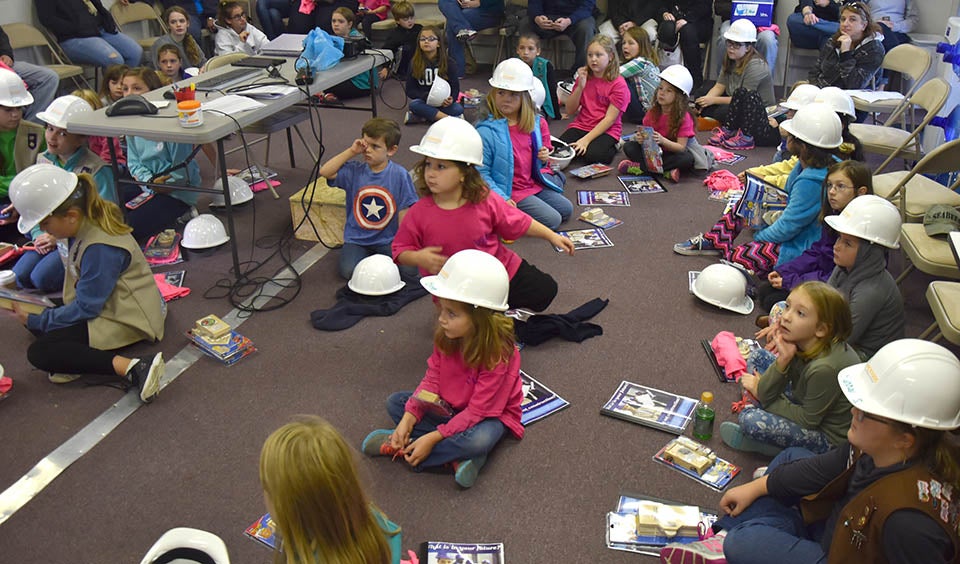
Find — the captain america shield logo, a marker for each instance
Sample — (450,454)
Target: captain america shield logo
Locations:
(374,207)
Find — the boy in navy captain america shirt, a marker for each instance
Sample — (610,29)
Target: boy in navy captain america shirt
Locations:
(378,192)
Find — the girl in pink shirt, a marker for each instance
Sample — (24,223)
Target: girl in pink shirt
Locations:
(457,211)
(599,98)
(672,127)
(471,393)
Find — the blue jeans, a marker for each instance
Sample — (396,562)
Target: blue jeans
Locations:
(769,530)
(810,36)
(43,84)
(271,14)
(425,111)
(580,33)
(42,272)
(475,441)
(548,207)
(464,18)
(767,45)
(108,49)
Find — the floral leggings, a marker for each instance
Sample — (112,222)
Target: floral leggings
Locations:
(748,114)
(758,256)
(776,430)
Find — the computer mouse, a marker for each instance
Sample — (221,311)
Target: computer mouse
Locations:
(169,95)
(134,105)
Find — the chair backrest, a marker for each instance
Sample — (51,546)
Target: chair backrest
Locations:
(940,160)
(24,35)
(222,61)
(908,59)
(137,12)
(931,96)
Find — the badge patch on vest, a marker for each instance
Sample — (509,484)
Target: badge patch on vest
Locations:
(33,141)
(374,208)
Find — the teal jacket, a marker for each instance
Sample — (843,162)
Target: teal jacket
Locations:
(797,228)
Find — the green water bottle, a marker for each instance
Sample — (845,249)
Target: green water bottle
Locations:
(703,417)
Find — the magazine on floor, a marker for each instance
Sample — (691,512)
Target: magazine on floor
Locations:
(602,198)
(598,218)
(539,401)
(464,553)
(174,277)
(256,173)
(229,349)
(698,462)
(586,239)
(595,170)
(644,524)
(651,407)
(264,531)
(641,184)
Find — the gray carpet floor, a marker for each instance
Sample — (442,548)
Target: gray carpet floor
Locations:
(190,458)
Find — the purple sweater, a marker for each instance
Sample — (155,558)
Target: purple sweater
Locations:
(816,263)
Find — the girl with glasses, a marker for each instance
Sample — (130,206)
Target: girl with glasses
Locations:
(430,61)
(235,34)
(887,493)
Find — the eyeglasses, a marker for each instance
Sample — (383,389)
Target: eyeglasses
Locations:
(837,187)
(855,6)
(238,16)
(430,39)
(735,44)
(861,415)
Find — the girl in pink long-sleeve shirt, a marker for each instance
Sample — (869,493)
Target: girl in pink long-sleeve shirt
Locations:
(457,211)
(471,393)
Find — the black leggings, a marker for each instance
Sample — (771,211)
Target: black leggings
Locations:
(68,351)
(347,90)
(600,150)
(768,296)
(531,288)
(682,160)
(747,113)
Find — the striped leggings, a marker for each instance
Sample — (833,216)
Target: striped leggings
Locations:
(760,257)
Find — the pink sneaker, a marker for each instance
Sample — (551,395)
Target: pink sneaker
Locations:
(740,142)
(706,551)
(721,134)
(627,166)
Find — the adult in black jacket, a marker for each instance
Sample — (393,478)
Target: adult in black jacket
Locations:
(686,24)
(87,33)
(625,14)
(573,18)
(308,14)
(41,81)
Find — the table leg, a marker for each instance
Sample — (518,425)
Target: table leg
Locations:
(222,161)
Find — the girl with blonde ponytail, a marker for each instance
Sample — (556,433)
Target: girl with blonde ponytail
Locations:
(110,297)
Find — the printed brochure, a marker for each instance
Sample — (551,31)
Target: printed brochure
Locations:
(586,239)
(651,407)
(539,401)
(595,170)
(602,198)
(641,184)
(464,553)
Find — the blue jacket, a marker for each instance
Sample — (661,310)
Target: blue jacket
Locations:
(497,168)
(798,227)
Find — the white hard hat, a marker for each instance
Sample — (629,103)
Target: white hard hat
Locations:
(725,287)
(741,31)
(816,124)
(13,93)
(472,277)
(564,89)
(439,92)
(376,275)
(562,153)
(204,232)
(512,74)
(871,218)
(451,139)
(840,101)
(240,192)
(538,94)
(38,191)
(679,76)
(191,545)
(59,112)
(911,381)
(802,95)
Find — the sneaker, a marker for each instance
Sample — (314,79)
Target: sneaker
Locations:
(696,246)
(629,167)
(146,375)
(759,472)
(733,436)
(466,471)
(721,134)
(410,117)
(466,35)
(377,443)
(706,551)
(741,141)
(60,378)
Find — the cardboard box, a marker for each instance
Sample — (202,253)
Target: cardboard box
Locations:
(760,12)
(327,211)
